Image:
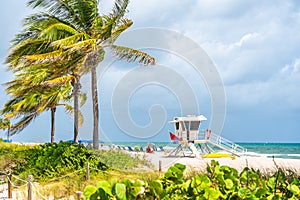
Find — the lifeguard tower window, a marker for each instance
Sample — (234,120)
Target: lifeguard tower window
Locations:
(194,125)
(177,125)
(187,125)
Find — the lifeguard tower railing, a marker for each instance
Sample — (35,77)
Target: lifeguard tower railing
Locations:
(222,143)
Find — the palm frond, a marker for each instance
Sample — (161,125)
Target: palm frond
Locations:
(48,100)
(70,111)
(53,56)
(97,25)
(112,20)
(23,123)
(119,8)
(28,47)
(83,46)
(57,31)
(132,55)
(82,98)
(59,8)
(4,123)
(71,40)
(86,12)
(120,28)
(59,81)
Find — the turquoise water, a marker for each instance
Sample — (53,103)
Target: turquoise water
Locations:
(278,150)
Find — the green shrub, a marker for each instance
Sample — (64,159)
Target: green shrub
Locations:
(11,155)
(53,160)
(220,182)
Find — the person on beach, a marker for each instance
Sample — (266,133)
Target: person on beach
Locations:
(149,149)
(208,134)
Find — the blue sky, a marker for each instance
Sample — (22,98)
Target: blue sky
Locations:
(254,45)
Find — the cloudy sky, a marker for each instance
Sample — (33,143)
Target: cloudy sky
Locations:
(254,46)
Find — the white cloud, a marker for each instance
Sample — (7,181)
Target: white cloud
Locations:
(246,38)
(279,92)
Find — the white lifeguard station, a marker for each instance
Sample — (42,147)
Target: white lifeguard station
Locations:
(194,142)
(187,128)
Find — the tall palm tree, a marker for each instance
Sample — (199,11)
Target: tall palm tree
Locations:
(74,35)
(77,29)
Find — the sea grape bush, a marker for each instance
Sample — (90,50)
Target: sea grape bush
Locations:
(53,160)
(220,182)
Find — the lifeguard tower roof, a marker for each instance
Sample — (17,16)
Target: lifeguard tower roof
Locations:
(189,118)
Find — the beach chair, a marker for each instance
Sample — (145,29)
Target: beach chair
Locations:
(161,148)
(141,149)
(130,148)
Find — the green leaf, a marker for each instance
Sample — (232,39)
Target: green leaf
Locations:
(137,188)
(121,191)
(89,190)
(229,184)
(211,194)
(244,193)
(113,181)
(260,192)
(271,182)
(214,163)
(105,186)
(208,169)
(180,166)
(294,189)
(201,181)
(156,187)
(175,173)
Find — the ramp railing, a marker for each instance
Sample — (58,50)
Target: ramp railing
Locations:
(226,145)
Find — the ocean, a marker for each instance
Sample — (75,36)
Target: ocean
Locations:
(278,150)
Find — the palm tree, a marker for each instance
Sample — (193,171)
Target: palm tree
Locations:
(5,124)
(78,31)
(30,52)
(32,92)
(73,35)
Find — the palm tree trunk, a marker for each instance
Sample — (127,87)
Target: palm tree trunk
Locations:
(76,88)
(53,110)
(8,132)
(95,106)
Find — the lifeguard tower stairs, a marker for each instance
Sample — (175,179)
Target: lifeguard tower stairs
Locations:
(193,143)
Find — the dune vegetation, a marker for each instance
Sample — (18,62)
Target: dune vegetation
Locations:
(59,169)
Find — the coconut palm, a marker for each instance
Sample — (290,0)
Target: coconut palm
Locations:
(33,92)
(75,32)
(24,59)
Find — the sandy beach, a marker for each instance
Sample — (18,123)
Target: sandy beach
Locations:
(264,164)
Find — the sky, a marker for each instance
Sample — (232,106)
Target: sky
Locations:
(251,48)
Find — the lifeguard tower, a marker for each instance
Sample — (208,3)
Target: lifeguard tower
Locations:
(194,142)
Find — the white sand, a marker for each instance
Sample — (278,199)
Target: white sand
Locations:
(263,164)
